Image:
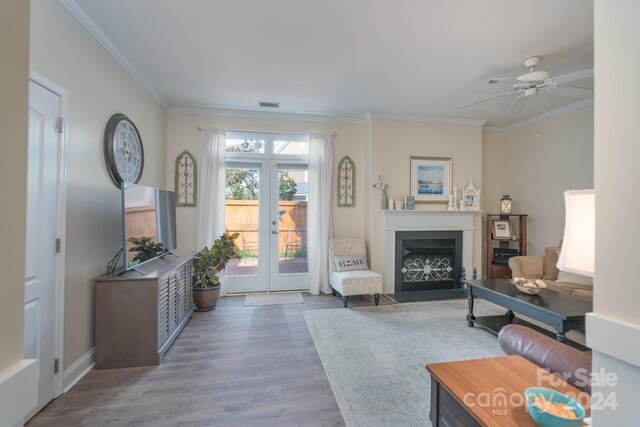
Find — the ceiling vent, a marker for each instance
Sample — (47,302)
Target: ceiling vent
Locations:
(269,104)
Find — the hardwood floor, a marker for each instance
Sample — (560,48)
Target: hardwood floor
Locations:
(233,366)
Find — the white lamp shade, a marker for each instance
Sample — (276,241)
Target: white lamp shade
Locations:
(578,247)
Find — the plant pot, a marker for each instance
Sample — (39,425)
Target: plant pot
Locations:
(205,299)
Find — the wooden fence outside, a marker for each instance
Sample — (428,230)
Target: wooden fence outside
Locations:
(242,217)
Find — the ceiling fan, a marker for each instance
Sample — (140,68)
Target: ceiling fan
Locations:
(532,83)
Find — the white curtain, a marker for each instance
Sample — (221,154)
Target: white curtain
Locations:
(211,184)
(320,226)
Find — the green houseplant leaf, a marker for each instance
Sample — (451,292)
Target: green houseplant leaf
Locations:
(208,262)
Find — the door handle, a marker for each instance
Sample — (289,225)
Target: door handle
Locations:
(275,232)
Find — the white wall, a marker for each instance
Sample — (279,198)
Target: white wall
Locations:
(390,145)
(63,51)
(538,163)
(182,134)
(14,87)
(493,182)
(614,329)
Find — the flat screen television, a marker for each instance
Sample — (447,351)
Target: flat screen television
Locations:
(148,224)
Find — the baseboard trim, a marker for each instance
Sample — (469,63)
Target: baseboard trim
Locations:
(605,335)
(77,370)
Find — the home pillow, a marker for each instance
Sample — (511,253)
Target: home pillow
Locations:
(574,279)
(350,263)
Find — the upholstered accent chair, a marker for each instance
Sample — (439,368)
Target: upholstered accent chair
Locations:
(354,282)
(544,267)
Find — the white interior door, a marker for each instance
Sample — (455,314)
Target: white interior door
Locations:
(41,239)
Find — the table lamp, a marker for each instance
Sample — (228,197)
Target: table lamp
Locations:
(578,246)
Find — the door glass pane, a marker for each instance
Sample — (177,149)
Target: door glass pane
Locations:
(241,216)
(244,145)
(292,212)
(291,147)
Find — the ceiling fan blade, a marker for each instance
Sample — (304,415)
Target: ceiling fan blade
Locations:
(503,80)
(576,75)
(574,92)
(486,99)
(517,104)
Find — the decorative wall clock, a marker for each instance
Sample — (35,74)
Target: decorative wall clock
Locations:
(346,183)
(186,180)
(123,150)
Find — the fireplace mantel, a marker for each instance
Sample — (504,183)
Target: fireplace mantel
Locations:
(423,220)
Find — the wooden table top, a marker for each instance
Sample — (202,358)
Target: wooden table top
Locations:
(492,390)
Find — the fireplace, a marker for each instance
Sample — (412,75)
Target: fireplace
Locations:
(398,224)
(427,260)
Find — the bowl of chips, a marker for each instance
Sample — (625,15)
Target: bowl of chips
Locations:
(529,286)
(550,408)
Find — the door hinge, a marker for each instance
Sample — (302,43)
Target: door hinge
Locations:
(56,366)
(60,125)
(58,245)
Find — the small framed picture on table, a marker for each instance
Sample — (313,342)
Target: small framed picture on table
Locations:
(502,229)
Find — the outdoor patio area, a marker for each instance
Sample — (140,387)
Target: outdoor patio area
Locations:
(249,266)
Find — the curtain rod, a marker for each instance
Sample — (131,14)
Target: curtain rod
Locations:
(200,128)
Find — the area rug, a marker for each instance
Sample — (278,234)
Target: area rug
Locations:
(274,299)
(375,357)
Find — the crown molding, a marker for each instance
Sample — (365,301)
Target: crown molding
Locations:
(492,129)
(260,114)
(93,29)
(544,116)
(316,117)
(425,119)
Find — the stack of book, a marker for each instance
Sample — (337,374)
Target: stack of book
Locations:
(409,202)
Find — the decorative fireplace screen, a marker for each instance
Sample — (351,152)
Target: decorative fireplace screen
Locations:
(428,260)
(422,269)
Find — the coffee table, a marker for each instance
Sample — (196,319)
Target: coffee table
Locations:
(489,392)
(560,311)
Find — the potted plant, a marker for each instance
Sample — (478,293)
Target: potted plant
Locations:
(206,265)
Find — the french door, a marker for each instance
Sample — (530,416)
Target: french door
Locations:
(266,203)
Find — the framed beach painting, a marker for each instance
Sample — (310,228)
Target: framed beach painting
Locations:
(431,179)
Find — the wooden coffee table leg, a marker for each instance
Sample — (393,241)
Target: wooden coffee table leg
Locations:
(470,316)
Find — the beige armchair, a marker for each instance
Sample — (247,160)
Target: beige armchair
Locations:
(544,267)
(358,282)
